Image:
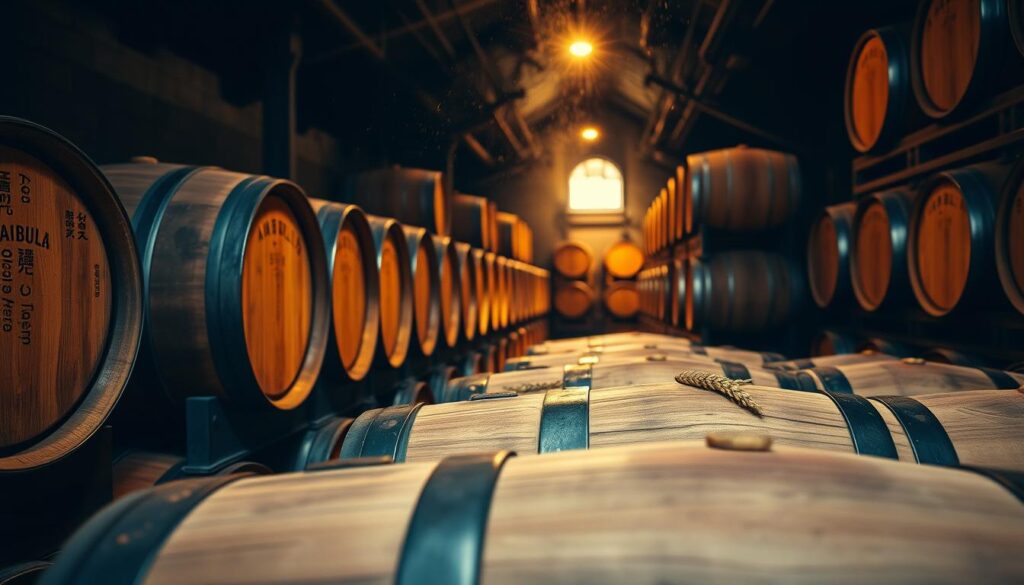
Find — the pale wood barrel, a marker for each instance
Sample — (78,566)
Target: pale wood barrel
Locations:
(1010,237)
(961,51)
(623,260)
(744,291)
(578,344)
(572,259)
(71,300)
(828,255)
(863,357)
(742,189)
(482,287)
(878,254)
(236,280)
(396,291)
(426,286)
(412,196)
(648,351)
(574,299)
(621,299)
(909,377)
(950,245)
(471,220)
(879,101)
(468,290)
(449,289)
(355,290)
(671,512)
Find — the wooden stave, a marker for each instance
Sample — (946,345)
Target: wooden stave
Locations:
(581,248)
(335,216)
(991,60)
(411,196)
(501,296)
(897,204)
(101,394)
(470,220)
(901,112)
(468,295)
(906,377)
(451,328)
(418,240)
(782,302)
(978,185)
(841,216)
(493,290)
(165,194)
(483,298)
(1009,203)
(386,228)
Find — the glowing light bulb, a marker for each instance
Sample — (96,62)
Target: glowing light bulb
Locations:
(590,134)
(581,48)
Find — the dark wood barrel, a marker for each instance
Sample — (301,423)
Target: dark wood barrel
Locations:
(572,259)
(426,290)
(828,255)
(574,299)
(483,292)
(1010,237)
(909,377)
(743,291)
(879,99)
(828,342)
(471,220)
(621,299)
(623,259)
(449,289)
(355,291)
(136,469)
(961,51)
(412,196)
(742,189)
(396,291)
(321,443)
(70,297)
(951,239)
(236,280)
(468,290)
(748,512)
(878,254)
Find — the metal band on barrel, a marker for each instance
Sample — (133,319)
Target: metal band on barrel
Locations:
(833,380)
(1001,379)
(384,431)
(735,371)
(867,428)
(565,414)
(927,436)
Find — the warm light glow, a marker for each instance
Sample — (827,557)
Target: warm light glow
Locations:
(595,185)
(590,134)
(581,48)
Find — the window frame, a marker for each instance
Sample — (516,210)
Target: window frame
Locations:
(620,211)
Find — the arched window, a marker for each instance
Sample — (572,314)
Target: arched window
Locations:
(595,186)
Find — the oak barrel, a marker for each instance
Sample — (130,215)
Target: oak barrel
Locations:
(355,290)
(950,245)
(879,100)
(878,254)
(1010,237)
(621,299)
(396,291)
(910,376)
(744,291)
(412,196)
(741,189)
(746,513)
(573,299)
(623,259)
(828,255)
(71,301)
(572,259)
(426,289)
(471,222)
(136,469)
(236,279)
(468,290)
(449,289)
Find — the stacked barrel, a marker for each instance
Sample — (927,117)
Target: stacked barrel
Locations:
(641,429)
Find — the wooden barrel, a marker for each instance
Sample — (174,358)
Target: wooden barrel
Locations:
(742,189)
(747,513)
(576,344)
(951,239)
(426,290)
(827,342)
(743,291)
(492,220)
(471,220)
(572,259)
(862,357)
(70,297)
(623,259)
(574,299)
(135,470)
(680,209)
(961,52)
(468,290)
(396,291)
(27,573)
(1010,237)
(412,196)
(910,376)
(508,233)
(621,299)
(878,256)
(879,101)
(482,290)
(236,279)
(828,255)
(321,443)
(449,289)
(355,291)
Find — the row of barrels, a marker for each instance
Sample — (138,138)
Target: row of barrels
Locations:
(575,259)
(234,285)
(734,189)
(742,291)
(829,342)
(575,299)
(625,423)
(952,242)
(955,54)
